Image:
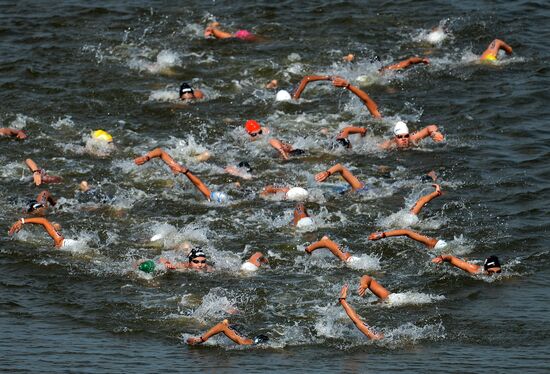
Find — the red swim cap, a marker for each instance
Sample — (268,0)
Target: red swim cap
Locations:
(252,126)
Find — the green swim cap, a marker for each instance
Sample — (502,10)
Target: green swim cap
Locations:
(147,266)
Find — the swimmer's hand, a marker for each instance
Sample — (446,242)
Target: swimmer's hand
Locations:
(437,136)
(364,284)
(437,189)
(377,235)
(340,82)
(195,340)
(438,260)
(343,293)
(425,61)
(15,228)
(322,176)
(141,160)
(21,135)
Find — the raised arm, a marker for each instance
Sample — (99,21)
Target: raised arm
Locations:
(36,171)
(164,156)
(307,80)
(57,238)
(426,240)
(334,248)
(371,105)
(346,174)
(492,50)
(426,199)
(431,130)
(282,148)
(20,134)
(368,283)
(212,30)
(362,326)
(44,197)
(457,262)
(222,327)
(405,64)
(347,131)
(198,183)
(258,259)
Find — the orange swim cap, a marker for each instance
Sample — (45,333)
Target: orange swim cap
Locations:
(252,126)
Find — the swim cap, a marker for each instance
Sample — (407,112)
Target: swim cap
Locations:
(491,262)
(344,142)
(260,339)
(219,197)
(440,244)
(490,57)
(33,205)
(102,135)
(249,266)
(305,222)
(297,194)
(297,152)
(283,95)
(400,128)
(156,237)
(245,165)
(68,243)
(243,34)
(252,126)
(352,259)
(196,252)
(186,88)
(147,266)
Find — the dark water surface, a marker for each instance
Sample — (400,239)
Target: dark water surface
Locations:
(70,67)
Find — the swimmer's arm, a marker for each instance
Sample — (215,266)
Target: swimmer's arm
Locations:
(371,105)
(44,197)
(258,259)
(157,152)
(36,171)
(222,327)
(426,199)
(346,174)
(20,134)
(281,147)
(431,130)
(355,317)
(406,63)
(197,182)
(198,94)
(347,131)
(367,282)
(502,45)
(270,189)
(217,33)
(458,263)
(427,241)
(333,247)
(306,80)
(57,238)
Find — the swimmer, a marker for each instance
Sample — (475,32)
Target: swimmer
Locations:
(51,228)
(405,64)
(19,134)
(39,206)
(301,217)
(188,93)
(196,261)
(491,265)
(334,248)
(355,184)
(254,262)
(39,175)
(362,326)
(290,193)
(213,30)
(368,283)
(100,143)
(242,170)
(342,137)
(224,328)
(491,53)
(431,243)
(255,130)
(403,139)
(178,169)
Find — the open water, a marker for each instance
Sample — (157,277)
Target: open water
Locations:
(67,68)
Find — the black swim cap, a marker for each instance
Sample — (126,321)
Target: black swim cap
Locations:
(196,252)
(491,262)
(185,88)
(344,142)
(296,152)
(246,165)
(33,205)
(258,339)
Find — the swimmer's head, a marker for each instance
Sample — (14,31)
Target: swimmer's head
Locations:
(147,266)
(253,128)
(401,132)
(344,142)
(219,197)
(492,265)
(102,135)
(245,165)
(297,194)
(34,207)
(186,92)
(197,259)
(259,339)
(283,95)
(305,222)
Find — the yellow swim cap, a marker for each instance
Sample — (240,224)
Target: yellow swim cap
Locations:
(490,57)
(102,135)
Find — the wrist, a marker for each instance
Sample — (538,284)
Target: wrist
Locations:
(329,173)
(383,234)
(23,220)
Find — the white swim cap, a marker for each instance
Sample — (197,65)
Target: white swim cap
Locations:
(283,95)
(248,266)
(305,222)
(436,36)
(400,128)
(352,259)
(218,197)
(68,243)
(156,237)
(440,244)
(297,194)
